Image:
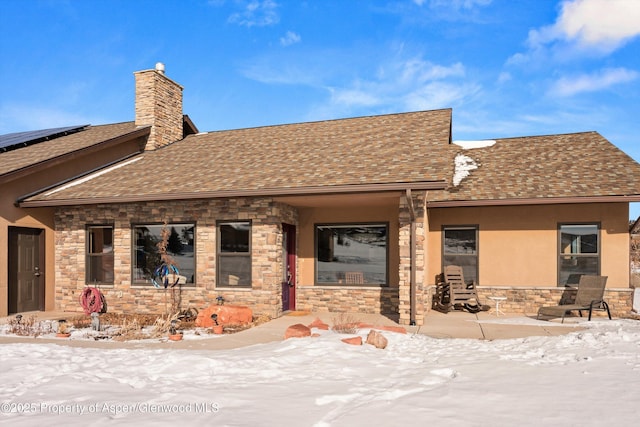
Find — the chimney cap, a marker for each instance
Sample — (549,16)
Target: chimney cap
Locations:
(160,67)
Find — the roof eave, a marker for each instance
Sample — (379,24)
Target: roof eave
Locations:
(27,170)
(267,192)
(534,201)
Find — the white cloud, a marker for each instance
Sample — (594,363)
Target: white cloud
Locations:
(415,84)
(290,38)
(504,77)
(256,13)
(601,24)
(568,86)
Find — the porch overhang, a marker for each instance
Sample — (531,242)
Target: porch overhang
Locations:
(26,202)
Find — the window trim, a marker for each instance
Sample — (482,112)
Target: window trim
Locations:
(88,255)
(140,283)
(351,224)
(219,253)
(597,255)
(475,227)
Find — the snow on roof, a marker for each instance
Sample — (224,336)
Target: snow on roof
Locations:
(469,145)
(463,165)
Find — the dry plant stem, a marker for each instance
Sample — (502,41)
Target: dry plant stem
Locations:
(345,324)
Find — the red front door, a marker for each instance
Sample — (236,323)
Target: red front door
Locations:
(288,267)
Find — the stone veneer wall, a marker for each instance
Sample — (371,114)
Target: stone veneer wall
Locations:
(266,239)
(527,300)
(159,104)
(355,299)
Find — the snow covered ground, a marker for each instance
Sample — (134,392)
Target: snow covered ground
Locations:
(584,378)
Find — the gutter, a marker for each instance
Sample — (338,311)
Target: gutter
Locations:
(265,192)
(412,256)
(535,201)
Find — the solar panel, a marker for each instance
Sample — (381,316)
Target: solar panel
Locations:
(13,141)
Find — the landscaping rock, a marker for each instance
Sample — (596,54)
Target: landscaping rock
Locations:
(353,340)
(297,331)
(376,339)
(227,315)
(319,324)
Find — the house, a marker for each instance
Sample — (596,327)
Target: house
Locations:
(357,214)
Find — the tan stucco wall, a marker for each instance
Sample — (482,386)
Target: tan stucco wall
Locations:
(41,218)
(518,244)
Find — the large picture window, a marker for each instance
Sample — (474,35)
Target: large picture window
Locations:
(460,247)
(234,254)
(579,251)
(180,247)
(99,259)
(353,254)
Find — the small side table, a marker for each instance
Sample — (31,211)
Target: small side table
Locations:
(497,301)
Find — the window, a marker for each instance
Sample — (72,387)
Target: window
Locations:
(579,251)
(99,260)
(180,246)
(234,254)
(460,247)
(354,254)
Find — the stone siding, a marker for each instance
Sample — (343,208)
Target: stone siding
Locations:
(266,240)
(159,104)
(352,299)
(527,300)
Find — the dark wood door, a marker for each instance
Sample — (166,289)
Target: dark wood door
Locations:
(288,267)
(26,269)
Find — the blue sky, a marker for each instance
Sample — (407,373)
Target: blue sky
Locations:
(506,67)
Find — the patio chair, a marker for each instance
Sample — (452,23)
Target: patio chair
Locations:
(453,293)
(354,277)
(590,296)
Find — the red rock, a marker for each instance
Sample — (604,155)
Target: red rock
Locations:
(376,339)
(353,340)
(227,315)
(297,331)
(319,324)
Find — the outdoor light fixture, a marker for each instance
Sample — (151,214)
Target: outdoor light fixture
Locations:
(214,317)
(172,329)
(18,318)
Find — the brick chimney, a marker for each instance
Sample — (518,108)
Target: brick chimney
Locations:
(159,104)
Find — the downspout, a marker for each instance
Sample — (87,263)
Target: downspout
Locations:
(412,278)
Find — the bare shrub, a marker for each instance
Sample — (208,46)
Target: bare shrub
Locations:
(345,323)
(29,326)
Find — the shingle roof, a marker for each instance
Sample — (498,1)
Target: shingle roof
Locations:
(570,165)
(24,157)
(407,147)
(397,148)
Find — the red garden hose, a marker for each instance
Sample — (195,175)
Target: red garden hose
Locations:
(91,300)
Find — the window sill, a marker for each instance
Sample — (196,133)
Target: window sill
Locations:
(343,286)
